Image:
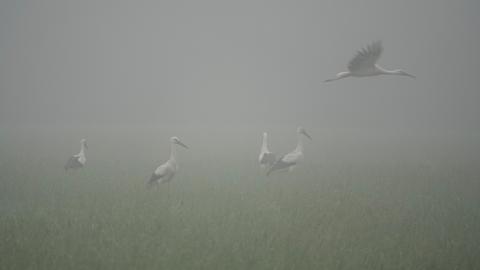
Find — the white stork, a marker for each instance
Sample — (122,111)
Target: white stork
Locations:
(364,64)
(290,160)
(266,158)
(78,160)
(165,172)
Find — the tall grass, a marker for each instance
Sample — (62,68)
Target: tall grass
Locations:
(352,209)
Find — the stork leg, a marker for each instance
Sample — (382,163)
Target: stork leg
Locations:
(168,190)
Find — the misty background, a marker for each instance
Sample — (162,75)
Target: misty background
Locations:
(262,63)
(389,181)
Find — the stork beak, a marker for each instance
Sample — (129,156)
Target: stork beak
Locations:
(410,75)
(306,134)
(182,144)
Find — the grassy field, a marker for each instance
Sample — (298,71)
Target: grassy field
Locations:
(352,204)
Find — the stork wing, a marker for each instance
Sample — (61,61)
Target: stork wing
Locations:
(285,161)
(72,163)
(268,158)
(366,57)
(164,171)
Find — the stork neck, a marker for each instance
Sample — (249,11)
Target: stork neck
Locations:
(82,148)
(264,143)
(299,143)
(173,151)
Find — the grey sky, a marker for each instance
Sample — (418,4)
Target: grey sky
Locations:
(263,62)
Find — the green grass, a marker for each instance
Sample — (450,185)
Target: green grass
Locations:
(385,211)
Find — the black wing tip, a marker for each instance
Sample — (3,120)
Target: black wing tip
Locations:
(372,44)
(71,164)
(272,168)
(377,42)
(153,180)
(149,185)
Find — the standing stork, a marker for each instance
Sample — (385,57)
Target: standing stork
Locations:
(364,64)
(78,160)
(266,158)
(290,160)
(165,172)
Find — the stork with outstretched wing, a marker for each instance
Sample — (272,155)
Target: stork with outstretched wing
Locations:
(364,64)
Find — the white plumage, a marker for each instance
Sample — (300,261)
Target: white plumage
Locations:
(78,160)
(364,64)
(165,172)
(290,160)
(266,158)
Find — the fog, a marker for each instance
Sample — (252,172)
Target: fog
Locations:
(71,63)
(389,181)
